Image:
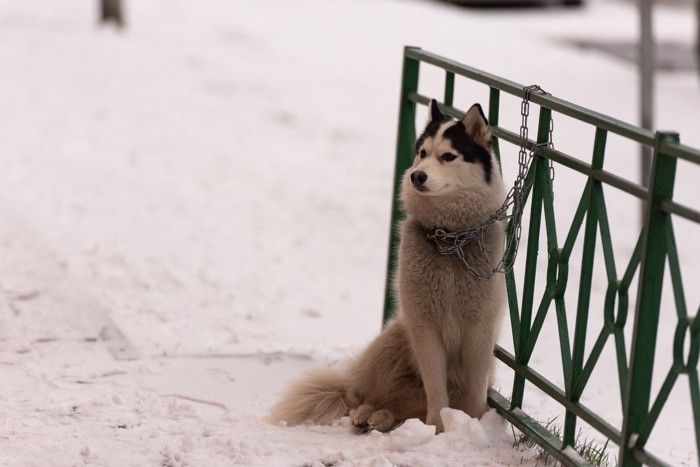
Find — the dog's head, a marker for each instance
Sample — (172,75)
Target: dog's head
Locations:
(454,173)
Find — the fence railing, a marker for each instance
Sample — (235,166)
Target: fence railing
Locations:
(655,247)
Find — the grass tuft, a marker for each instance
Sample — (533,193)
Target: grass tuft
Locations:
(588,448)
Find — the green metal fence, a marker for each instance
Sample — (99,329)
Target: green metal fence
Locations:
(655,247)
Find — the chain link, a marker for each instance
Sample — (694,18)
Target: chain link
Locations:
(550,145)
(453,243)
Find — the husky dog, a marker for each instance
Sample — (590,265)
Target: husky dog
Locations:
(437,351)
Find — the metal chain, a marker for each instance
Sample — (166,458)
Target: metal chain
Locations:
(550,145)
(453,243)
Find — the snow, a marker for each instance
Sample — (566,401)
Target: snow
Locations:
(195,211)
(411,434)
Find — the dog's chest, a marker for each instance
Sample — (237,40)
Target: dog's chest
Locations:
(439,286)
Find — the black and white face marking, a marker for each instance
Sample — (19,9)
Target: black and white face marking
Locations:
(446,141)
(436,120)
(468,148)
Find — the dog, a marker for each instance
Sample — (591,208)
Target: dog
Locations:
(437,351)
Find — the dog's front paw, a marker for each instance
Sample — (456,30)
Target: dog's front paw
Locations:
(382,420)
(365,418)
(433,418)
(360,417)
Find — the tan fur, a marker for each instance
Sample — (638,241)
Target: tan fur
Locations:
(437,351)
(317,397)
(473,122)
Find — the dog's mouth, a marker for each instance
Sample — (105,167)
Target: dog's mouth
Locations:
(425,190)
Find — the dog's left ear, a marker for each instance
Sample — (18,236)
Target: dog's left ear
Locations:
(477,126)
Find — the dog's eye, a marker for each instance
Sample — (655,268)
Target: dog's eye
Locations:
(422,154)
(448,157)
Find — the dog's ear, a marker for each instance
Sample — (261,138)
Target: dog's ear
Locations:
(477,126)
(434,110)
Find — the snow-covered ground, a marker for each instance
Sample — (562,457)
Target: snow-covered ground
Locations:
(196,209)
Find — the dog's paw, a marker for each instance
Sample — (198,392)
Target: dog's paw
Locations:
(360,417)
(382,420)
(365,418)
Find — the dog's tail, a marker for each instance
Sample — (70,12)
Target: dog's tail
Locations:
(319,397)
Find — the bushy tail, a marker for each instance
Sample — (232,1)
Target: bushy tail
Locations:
(319,397)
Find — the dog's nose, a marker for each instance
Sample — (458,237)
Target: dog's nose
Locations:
(418,177)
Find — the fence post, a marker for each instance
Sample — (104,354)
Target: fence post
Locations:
(404,159)
(112,11)
(653,262)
